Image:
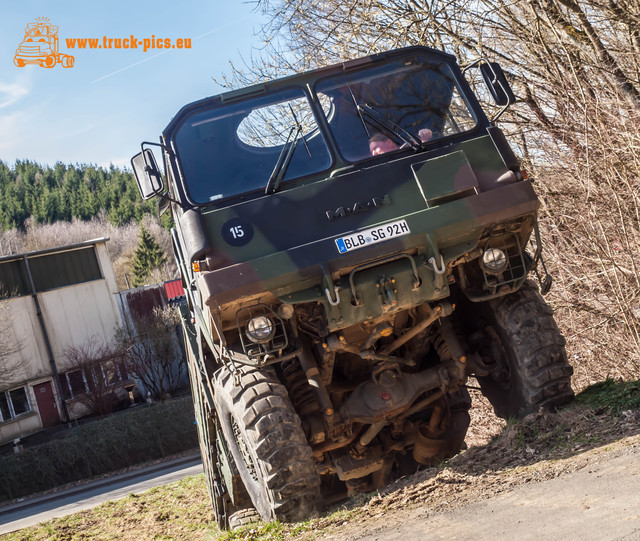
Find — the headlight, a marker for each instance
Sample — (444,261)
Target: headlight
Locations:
(260,329)
(494,261)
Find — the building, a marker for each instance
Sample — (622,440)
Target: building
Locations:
(169,370)
(53,300)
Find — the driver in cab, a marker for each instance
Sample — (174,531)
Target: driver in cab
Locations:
(379,143)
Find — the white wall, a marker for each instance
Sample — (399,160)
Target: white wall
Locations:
(77,314)
(26,424)
(21,325)
(106,267)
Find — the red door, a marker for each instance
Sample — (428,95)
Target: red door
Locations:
(46,404)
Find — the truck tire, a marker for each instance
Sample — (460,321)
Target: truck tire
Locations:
(265,437)
(242,518)
(521,341)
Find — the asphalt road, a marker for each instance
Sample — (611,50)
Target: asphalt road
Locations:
(597,503)
(33,511)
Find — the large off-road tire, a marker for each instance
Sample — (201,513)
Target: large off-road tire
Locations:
(243,517)
(265,437)
(523,345)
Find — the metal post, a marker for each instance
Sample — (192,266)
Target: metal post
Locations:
(47,342)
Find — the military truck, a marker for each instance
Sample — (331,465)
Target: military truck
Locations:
(356,243)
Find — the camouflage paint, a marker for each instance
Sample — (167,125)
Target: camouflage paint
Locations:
(284,256)
(448,193)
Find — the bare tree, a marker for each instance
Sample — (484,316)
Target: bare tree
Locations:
(93,372)
(152,352)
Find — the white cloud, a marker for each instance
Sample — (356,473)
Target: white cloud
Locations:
(122,163)
(13,128)
(19,138)
(12,92)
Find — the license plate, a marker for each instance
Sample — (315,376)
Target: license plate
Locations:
(372,235)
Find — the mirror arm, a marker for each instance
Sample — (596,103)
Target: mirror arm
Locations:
(501,111)
(163,147)
(474,63)
(496,81)
(499,114)
(166,197)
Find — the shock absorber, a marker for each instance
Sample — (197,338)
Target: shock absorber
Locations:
(441,347)
(300,392)
(448,345)
(304,401)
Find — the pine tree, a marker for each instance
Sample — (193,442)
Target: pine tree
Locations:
(148,256)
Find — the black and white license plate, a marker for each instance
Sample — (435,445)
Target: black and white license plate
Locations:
(372,235)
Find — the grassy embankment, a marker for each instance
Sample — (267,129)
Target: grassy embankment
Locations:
(539,447)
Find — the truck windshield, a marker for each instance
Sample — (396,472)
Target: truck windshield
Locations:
(410,102)
(251,145)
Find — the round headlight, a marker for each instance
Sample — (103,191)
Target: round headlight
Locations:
(494,261)
(260,329)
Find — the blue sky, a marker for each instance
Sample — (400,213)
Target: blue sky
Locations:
(100,110)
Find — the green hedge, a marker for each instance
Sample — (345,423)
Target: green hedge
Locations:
(143,433)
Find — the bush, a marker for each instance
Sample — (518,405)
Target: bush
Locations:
(138,435)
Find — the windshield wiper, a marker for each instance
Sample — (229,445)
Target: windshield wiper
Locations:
(284,159)
(388,126)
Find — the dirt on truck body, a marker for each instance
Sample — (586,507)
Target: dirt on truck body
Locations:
(355,243)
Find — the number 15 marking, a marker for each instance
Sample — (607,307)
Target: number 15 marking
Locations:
(237,232)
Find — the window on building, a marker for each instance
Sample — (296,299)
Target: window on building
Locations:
(75,384)
(49,271)
(19,401)
(13,404)
(93,377)
(122,370)
(5,411)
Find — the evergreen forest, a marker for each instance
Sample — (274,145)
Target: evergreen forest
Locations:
(67,192)
(46,207)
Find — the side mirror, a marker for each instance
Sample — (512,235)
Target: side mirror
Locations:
(497,83)
(147,174)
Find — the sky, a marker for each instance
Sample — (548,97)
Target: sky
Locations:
(99,110)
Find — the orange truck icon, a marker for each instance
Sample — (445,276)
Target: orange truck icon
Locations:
(40,45)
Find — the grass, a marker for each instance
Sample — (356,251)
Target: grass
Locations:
(613,396)
(180,510)
(276,531)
